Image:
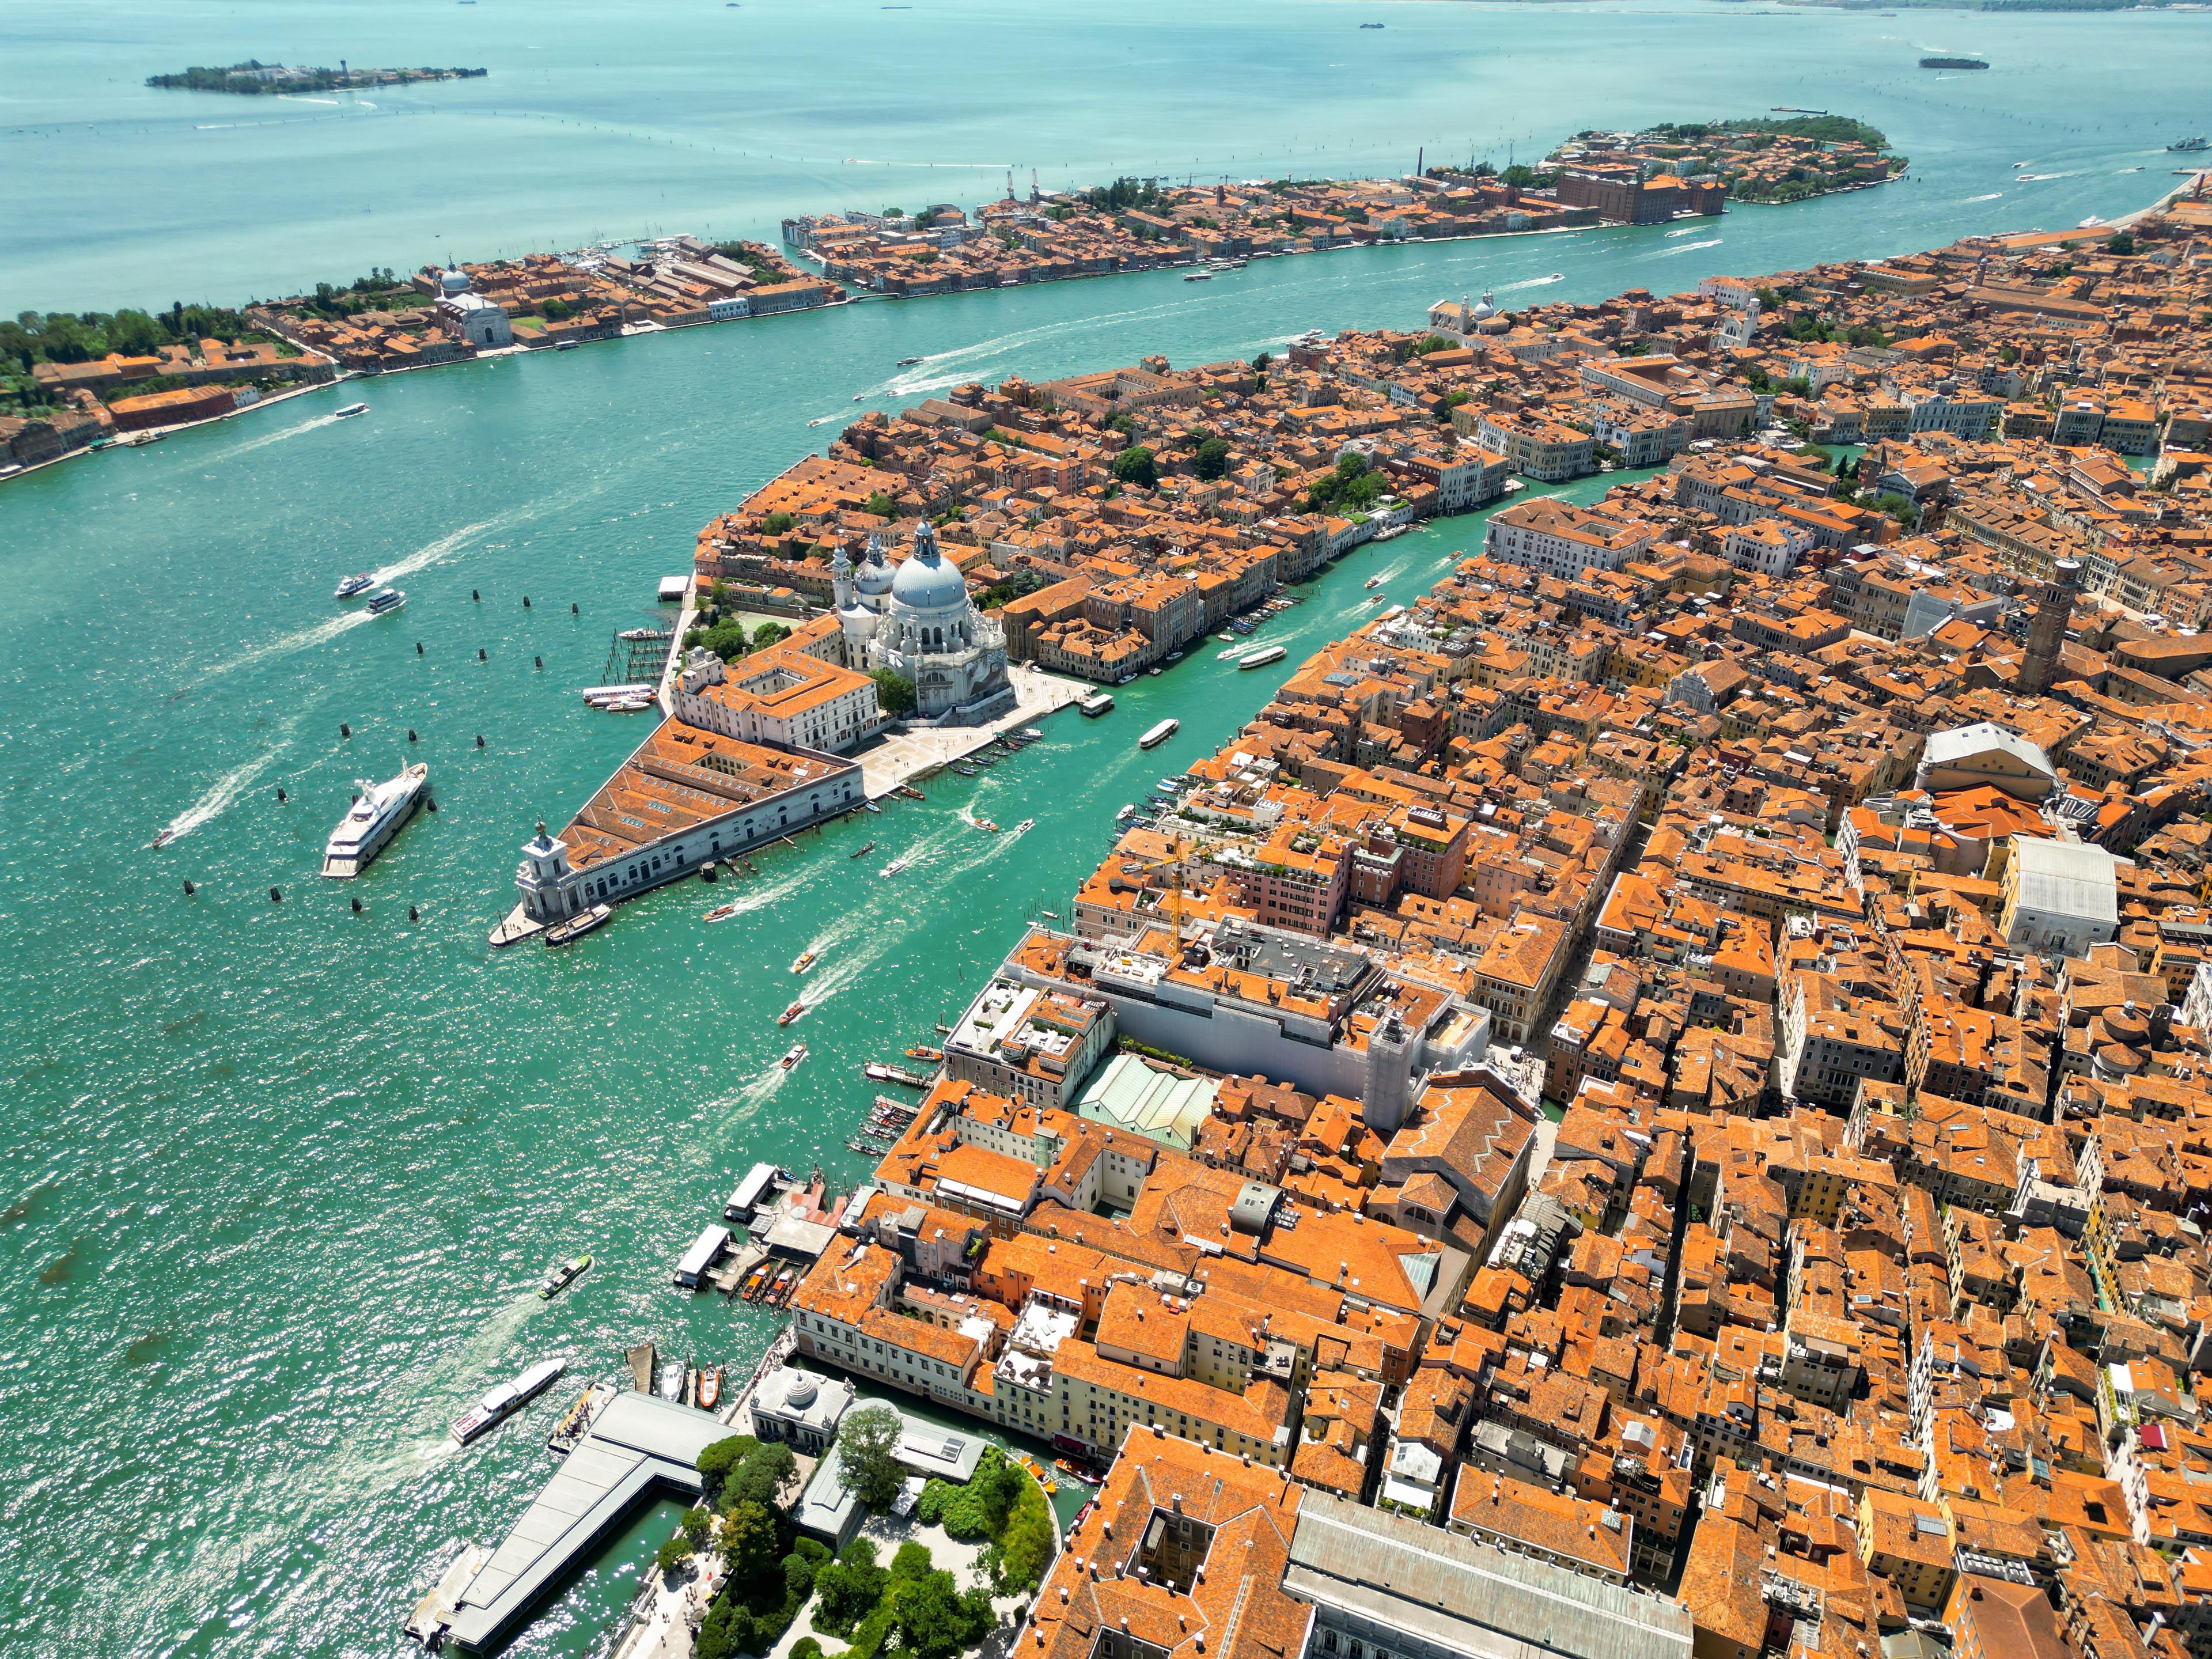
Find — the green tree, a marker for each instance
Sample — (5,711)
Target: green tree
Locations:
(726,640)
(718,1460)
(1212,459)
(762,1476)
(1123,423)
(555,311)
(882,505)
(770,633)
(934,1621)
(868,1443)
(849,1588)
(777,523)
(675,1553)
(698,1525)
(797,1580)
(749,1545)
(894,692)
(1135,465)
(2122,243)
(1264,362)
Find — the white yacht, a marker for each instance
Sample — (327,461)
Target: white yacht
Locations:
(378,813)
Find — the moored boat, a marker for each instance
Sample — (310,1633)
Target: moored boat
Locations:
(922,1051)
(576,927)
(710,1388)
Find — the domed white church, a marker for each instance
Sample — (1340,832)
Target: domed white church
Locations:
(917,621)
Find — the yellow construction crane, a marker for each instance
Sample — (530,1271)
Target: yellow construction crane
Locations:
(1183,847)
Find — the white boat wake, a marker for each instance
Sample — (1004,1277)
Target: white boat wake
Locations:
(300,639)
(269,438)
(220,794)
(444,548)
(1687,247)
(1992,196)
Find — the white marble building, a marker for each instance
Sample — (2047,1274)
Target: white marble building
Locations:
(917,621)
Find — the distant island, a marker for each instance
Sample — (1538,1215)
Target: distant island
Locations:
(1765,160)
(1952,63)
(253,79)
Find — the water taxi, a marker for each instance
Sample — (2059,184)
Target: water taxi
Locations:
(377,815)
(791,1014)
(384,603)
(508,1398)
(578,925)
(359,583)
(792,1055)
(564,1275)
(807,959)
(349,411)
(1026,823)
(1375,581)
(1261,658)
(922,1051)
(894,866)
(987,826)
(723,912)
(1159,734)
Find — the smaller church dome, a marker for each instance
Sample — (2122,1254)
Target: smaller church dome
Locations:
(872,576)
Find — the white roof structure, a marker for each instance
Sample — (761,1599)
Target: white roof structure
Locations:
(2067,879)
(1985,753)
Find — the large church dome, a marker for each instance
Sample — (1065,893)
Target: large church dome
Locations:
(926,581)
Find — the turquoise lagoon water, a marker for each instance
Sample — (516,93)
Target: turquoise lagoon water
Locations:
(276,1179)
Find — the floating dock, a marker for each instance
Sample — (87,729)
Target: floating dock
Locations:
(638,1447)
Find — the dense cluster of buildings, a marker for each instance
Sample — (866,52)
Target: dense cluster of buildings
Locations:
(1643,178)
(453,314)
(1650,1099)
(947,249)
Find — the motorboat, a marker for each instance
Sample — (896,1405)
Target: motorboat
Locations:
(376,815)
(894,866)
(907,362)
(576,927)
(723,912)
(807,959)
(922,1051)
(565,1275)
(508,1398)
(359,583)
(384,603)
(791,1014)
(1026,823)
(669,1385)
(792,1055)
(162,838)
(710,1388)
(870,806)
(988,826)
(349,411)
(1375,581)
(1125,813)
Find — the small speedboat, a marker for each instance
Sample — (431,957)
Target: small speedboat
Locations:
(360,583)
(349,410)
(869,805)
(1026,823)
(722,912)
(907,362)
(791,1014)
(673,1376)
(922,1051)
(565,1275)
(987,826)
(807,959)
(894,866)
(710,1388)
(792,1055)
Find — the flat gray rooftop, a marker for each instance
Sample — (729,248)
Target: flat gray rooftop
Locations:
(638,1444)
(1469,1598)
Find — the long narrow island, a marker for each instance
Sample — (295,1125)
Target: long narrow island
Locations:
(255,79)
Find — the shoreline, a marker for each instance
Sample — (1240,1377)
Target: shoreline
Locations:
(630,331)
